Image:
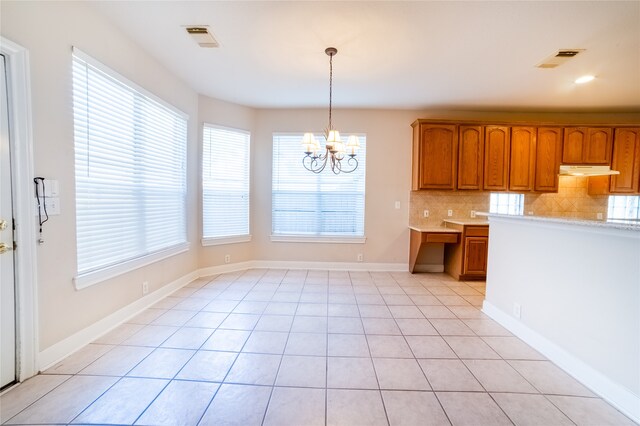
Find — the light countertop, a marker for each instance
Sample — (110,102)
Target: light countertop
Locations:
(435,229)
(628,225)
(465,222)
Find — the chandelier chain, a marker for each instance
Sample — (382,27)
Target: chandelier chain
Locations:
(330,88)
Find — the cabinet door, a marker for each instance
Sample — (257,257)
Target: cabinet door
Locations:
(575,139)
(548,155)
(475,255)
(496,158)
(522,159)
(438,156)
(598,147)
(470,156)
(626,160)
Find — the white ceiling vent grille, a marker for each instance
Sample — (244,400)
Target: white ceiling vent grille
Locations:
(202,36)
(562,56)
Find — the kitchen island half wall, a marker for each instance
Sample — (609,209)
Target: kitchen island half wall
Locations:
(571,289)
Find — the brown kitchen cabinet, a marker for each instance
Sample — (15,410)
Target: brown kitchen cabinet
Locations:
(522,158)
(496,158)
(435,156)
(587,145)
(470,157)
(548,157)
(626,160)
(468,259)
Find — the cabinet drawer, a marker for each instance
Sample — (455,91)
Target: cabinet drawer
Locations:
(441,237)
(476,231)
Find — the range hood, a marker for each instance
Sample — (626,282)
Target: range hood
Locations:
(587,171)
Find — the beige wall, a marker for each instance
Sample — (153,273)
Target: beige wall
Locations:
(48,31)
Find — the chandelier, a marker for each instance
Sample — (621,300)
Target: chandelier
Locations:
(335,150)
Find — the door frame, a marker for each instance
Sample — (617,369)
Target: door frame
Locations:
(21,150)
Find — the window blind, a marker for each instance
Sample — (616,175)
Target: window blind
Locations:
(506,203)
(130,154)
(225,183)
(623,207)
(310,204)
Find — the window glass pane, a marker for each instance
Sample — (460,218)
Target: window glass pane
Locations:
(130,154)
(323,204)
(623,207)
(225,182)
(503,203)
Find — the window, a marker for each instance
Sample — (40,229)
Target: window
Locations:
(506,203)
(130,154)
(320,207)
(623,207)
(225,185)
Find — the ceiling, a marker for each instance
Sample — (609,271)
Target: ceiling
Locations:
(479,55)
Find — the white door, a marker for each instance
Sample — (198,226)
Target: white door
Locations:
(7,279)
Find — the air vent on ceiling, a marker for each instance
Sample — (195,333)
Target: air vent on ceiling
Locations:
(562,56)
(202,36)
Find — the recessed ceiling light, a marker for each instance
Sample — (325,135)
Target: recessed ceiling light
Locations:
(584,79)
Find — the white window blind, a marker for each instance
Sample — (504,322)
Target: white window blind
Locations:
(310,204)
(130,154)
(225,184)
(506,203)
(623,207)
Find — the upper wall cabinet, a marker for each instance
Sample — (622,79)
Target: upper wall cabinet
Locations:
(522,159)
(496,158)
(587,145)
(435,156)
(626,160)
(470,155)
(548,156)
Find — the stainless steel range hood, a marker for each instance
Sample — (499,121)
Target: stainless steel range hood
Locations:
(587,171)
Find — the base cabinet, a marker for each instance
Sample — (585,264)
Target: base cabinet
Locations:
(468,259)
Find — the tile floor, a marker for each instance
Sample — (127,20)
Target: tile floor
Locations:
(274,347)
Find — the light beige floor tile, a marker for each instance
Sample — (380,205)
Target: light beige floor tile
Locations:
(188,338)
(240,322)
(388,347)
(309,324)
(401,374)
(280,308)
(355,407)
(223,306)
(426,300)
(151,335)
(296,407)
(472,409)
(286,296)
(250,307)
(183,292)
(180,403)
(147,316)
(260,295)
(174,317)
(449,375)
(410,408)
(163,363)
(238,405)
(254,369)
(370,299)
(192,304)
(206,320)
(119,334)
(391,289)
(442,291)
(451,327)
(303,371)
(468,312)
(118,361)
(550,379)
(208,365)
(123,403)
(66,401)
(486,327)
(397,299)
(274,323)
(475,300)
(79,360)
(308,297)
(26,393)
(351,373)
(345,325)
(312,309)
(498,376)
(349,299)
(266,342)
(466,291)
(348,345)
(530,410)
(590,411)
(167,303)
(306,344)
(453,301)
(436,311)
(429,347)
(471,347)
(227,340)
(374,311)
(403,311)
(342,310)
(380,326)
(416,327)
(512,348)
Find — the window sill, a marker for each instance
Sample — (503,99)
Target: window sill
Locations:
(94,277)
(217,241)
(317,239)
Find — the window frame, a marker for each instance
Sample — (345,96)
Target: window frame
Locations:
(611,200)
(508,204)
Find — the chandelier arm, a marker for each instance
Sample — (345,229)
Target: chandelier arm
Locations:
(349,162)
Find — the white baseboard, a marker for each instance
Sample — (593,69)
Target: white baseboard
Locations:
(57,352)
(283,264)
(429,268)
(618,396)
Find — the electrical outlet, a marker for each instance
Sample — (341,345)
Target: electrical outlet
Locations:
(517,310)
(449,213)
(473,214)
(397,205)
(360,257)
(145,287)
(227,258)
(425,213)
(599,215)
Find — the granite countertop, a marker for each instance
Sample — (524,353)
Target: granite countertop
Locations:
(434,229)
(628,225)
(464,222)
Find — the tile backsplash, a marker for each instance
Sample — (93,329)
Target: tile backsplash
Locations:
(571,201)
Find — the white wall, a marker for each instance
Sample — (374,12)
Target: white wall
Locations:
(48,31)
